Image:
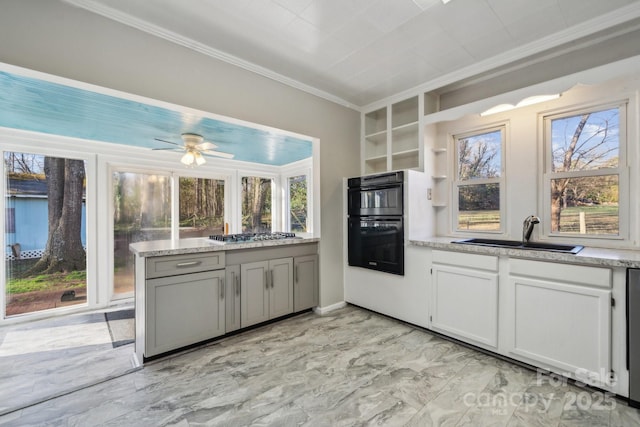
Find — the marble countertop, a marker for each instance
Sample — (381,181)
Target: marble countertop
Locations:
(587,256)
(204,244)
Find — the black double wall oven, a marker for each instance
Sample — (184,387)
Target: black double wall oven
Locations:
(376,222)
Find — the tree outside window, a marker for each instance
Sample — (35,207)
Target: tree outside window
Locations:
(201,207)
(256,204)
(478,180)
(297,203)
(583,172)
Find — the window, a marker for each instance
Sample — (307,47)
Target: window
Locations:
(297,203)
(48,233)
(584,155)
(478,180)
(256,204)
(201,207)
(141,212)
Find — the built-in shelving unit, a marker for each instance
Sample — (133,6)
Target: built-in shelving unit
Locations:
(392,137)
(439,177)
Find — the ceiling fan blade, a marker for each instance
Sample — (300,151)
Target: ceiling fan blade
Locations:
(168,142)
(218,154)
(206,146)
(167,148)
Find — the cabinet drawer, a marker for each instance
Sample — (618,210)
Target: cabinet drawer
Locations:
(173,265)
(484,262)
(578,274)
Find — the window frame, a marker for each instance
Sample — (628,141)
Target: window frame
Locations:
(297,169)
(176,175)
(456,183)
(622,170)
(36,145)
(276,214)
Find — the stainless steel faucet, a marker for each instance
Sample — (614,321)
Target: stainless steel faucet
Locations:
(527,227)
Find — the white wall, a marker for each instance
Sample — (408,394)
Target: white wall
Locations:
(523,159)
(62,40)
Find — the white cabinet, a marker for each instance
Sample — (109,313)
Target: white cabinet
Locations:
(465,297)
(392,137)
(266,290)
(560,317)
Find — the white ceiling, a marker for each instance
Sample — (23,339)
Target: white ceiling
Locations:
(357,52)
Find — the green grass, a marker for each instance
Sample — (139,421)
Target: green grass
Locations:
(600,219)
(44,282)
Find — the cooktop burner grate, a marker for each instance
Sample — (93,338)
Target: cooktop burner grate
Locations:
(251,237)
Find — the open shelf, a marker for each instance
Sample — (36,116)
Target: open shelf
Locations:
(375,121)
(404,112)
(393,131)
(376,164)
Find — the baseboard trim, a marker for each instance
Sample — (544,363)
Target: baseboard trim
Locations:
(329,308)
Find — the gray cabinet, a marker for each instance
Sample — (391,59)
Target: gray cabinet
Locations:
(266,290)
(183,310)
(305,282)
(232,300)
(184,301)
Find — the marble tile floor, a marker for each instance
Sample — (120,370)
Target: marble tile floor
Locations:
(349,367)
(50,357)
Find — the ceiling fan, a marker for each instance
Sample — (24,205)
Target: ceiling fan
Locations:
(194,147)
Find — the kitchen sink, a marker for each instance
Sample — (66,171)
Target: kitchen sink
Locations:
(517,244)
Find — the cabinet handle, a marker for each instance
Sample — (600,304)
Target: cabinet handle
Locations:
(295,272)
(237,284)
(272,279)
(188,264)
(222,288)
(266,278)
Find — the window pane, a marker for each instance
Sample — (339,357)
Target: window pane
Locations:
(479,156)
(45,234)
(587,205)
(256,204)
(479,207)
(586,142)
(298,203)
(142,212)
(201,207)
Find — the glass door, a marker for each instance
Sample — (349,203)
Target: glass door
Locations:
(45,233)
(141,212)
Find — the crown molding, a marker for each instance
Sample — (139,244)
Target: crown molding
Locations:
(147,27)
(585,29)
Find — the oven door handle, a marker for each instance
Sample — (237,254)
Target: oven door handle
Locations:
(377,187)
(380,218)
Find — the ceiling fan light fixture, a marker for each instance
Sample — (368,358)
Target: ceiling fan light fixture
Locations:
(188,158)
(200,160)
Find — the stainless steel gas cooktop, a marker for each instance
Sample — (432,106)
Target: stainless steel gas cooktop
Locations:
(251,237)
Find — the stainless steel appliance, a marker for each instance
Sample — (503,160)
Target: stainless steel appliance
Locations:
(251,237)
(376,222)
(633,335)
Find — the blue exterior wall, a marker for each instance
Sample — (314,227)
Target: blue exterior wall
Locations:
(31,224)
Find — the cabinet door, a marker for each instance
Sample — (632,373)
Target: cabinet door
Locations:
(232,304)
(254,293)
(183,310)
(465,304)
(305,282)
(281,287)
(563,326)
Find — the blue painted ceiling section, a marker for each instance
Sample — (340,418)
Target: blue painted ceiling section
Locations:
(41,106)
